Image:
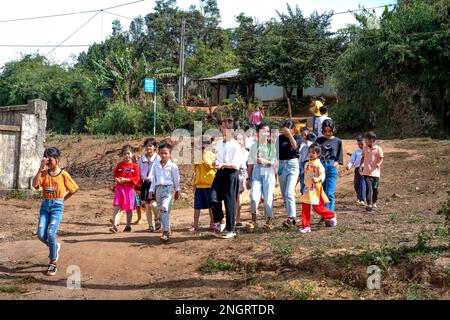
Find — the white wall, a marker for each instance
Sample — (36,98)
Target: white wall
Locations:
(267,93)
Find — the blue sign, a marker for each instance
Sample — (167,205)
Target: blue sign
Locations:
(149,85)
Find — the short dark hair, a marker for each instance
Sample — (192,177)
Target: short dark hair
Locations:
(323,110)
(126,148)
(315,147)
(288,123)
(359,138)
(165,145)
(229,122)
(262,125)
(304,129)
(311,137)
(52,152)
(370,136)
(328,123)
(150,142)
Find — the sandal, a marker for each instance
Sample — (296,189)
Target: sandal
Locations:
(151,229)
(193,229)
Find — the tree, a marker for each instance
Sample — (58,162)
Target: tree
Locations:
(397,77)
(297,49)
(249,50)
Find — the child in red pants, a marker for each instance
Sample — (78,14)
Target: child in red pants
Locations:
(313,196)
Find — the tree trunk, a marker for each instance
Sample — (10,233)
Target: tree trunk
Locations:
(289,101)
(250,90)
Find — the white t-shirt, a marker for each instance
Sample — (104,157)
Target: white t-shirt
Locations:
(229,152)
(319,124)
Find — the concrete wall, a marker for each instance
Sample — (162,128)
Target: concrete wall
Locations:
(22,136)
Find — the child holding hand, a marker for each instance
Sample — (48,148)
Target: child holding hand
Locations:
(126,176)
(313,196)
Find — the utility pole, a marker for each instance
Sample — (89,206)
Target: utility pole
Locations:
(181,80)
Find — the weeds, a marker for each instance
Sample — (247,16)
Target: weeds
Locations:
(419,292)
(394,217)
(318,253)
(18,194)
(213,266)
(441,232)
(342,229)
(12,289)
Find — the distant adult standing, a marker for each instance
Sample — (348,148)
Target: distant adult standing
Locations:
(332,155)
(314,108)
(320,120)
(226,182)
(256,117)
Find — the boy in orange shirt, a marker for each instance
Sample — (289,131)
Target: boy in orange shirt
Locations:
(371,160)
(57,186)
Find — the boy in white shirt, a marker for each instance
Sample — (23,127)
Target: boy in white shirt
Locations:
(323,116)
(359,180)
(165,176)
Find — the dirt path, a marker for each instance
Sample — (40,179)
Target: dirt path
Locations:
(137,266)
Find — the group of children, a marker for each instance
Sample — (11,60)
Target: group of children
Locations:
(221,175)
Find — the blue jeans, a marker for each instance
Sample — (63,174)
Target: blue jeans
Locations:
(288,173)
(164,201)
(263,182)
(50,216)
(302,177)
(359,183)
(329,186)
(314,124)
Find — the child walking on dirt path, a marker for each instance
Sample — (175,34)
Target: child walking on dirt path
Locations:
(226,182)
(372,158)
(314,196)
(204,174)
(165,177)
(57,186)
(242,177)
(126,176)
(359,181)
(146,163)
(261,181)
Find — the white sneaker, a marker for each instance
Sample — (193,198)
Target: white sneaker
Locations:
(304,230)
(58,247)
(375,206)
(220,227)
(228,235)
(333,222)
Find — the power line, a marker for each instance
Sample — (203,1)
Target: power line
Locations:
(70,13)
(73,33)
(43,45)
(118,15)
(351,11)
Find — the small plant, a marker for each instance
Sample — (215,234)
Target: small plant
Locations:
(441,232)
(37,195)
(18,194)
(342,229)
(12,289)
(419,292)
(211,265)
(303,293)
(394,217)
(280,249)
(445,210)
(318,252)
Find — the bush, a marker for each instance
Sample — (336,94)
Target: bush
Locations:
(349,119)
(119,117)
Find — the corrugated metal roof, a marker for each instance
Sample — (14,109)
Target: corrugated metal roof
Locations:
(226,75)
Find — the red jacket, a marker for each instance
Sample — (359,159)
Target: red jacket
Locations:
(129,171)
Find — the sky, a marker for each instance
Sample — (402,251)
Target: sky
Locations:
(89,28)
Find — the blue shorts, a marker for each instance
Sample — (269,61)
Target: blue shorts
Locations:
(202,198)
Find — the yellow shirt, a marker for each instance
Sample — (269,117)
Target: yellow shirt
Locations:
(298,127)
(316,108)
(56,187)
(204,171)
(313,190)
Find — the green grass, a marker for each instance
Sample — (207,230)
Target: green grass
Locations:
(342,229)
(18,194)
(211,265)
(318,252)
(441,232)
(394,217)
(419,292)
(12,289)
